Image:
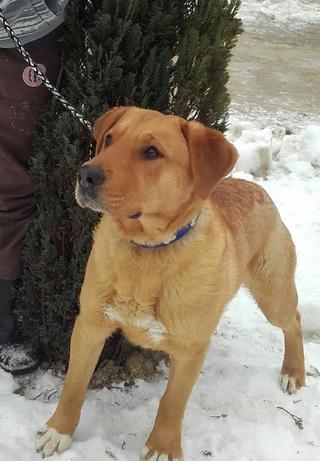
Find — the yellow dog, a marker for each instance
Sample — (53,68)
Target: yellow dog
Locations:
(174,244)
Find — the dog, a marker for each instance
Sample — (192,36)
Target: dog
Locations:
(175,242)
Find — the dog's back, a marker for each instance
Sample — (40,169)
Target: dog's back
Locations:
(250,214)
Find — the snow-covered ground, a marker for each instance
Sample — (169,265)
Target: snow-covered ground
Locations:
(237,409)
(289,15)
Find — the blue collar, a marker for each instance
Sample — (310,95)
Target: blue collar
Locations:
(177,236)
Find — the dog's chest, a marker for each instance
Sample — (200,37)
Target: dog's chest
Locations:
(134,307)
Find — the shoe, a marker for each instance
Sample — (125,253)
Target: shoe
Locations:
(16,356)
(19,358)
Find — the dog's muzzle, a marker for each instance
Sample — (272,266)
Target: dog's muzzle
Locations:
(89,178)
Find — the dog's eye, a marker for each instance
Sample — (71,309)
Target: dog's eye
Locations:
(151,153)
(107,140)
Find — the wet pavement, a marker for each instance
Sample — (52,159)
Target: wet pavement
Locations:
(275,70)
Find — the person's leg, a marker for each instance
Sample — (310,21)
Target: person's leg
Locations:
(22,98)
(6,314)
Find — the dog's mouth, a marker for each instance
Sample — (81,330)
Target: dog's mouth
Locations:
(113,207)
(86,200)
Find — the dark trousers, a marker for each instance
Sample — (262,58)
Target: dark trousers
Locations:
(22,99)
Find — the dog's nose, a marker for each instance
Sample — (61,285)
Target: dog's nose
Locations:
(90,176)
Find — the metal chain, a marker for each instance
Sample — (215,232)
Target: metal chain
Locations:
(41,75)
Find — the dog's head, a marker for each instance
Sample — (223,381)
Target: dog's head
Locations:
(150,164)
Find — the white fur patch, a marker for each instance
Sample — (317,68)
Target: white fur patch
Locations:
(52,441)
(113,314)
(147,323)
(155,329)
(288,383)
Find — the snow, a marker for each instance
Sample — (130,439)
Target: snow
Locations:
(301,152)
(299,10)
(261,150)
(289,15)
(237,409)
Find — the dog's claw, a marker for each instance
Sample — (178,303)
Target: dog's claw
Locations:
(42,430)
(150,455)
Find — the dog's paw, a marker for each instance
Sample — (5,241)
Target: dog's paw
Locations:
(51,440)
(289,383)
(148,454)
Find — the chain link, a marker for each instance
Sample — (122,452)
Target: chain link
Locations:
(26,56)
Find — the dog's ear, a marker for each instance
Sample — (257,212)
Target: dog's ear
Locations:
(105,122)
(212,157)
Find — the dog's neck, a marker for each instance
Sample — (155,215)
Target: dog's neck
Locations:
(157,228)
(173,239)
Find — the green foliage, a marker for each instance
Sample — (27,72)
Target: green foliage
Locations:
(166,55)
(208,33)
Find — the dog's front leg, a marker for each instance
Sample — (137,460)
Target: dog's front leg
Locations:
(164,442)
(88,338)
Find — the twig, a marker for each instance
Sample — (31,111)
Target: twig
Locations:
(37,396)
(115,387)
(109,452)
(315,373)
(52,393)
(313,444)
(219,416)
(298,421)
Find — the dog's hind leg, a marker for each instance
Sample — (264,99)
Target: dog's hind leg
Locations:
(271,281)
